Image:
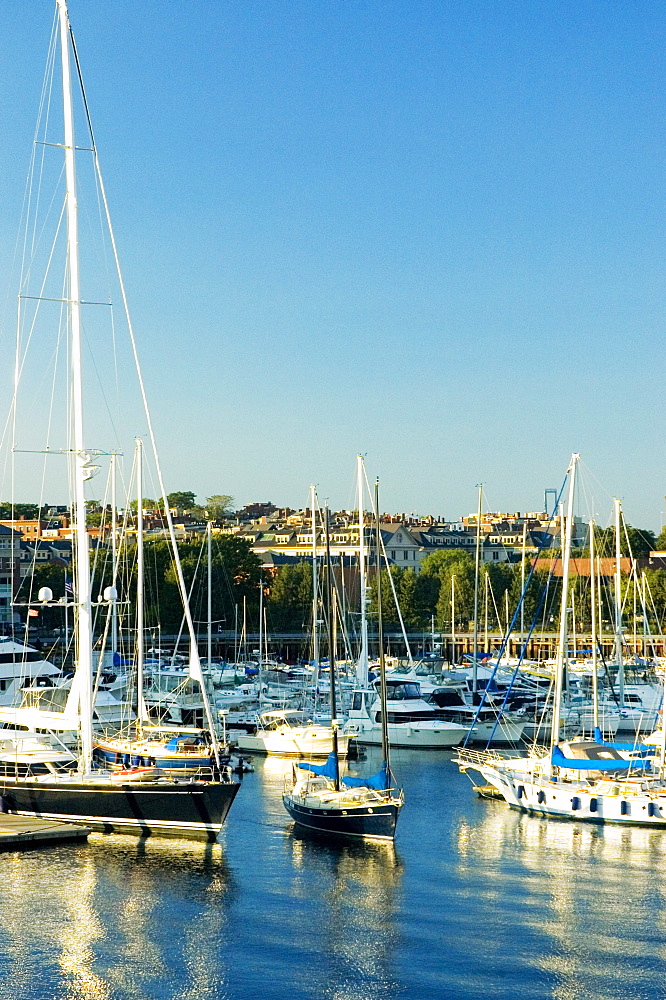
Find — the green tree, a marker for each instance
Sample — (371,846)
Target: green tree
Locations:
(184,500)
(290,598)
(641,541)
(218,506)
(660,543)
(235,571)
(27,510)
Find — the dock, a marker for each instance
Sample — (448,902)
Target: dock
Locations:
(25,832)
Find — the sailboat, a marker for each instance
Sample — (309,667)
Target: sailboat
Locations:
(193,808)
(582,779)
(319,799)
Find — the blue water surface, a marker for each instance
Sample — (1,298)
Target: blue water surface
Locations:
(475,901)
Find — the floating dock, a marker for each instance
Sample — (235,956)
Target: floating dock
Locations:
(20,832)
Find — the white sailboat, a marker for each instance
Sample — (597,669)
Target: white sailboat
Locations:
(96,798)
(583,779)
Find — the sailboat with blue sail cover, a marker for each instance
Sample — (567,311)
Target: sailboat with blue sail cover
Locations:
(583,779)
(320,799)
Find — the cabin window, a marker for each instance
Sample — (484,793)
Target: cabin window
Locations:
(541,797)
(521,791)
(625,808)
(653,809)
(357,701)
(575,802)
(594,805)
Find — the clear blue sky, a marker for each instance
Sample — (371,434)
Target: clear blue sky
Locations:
(432,232)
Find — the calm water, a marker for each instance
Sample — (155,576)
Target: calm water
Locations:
(475,902)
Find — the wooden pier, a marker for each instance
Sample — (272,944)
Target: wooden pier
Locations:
(24,832)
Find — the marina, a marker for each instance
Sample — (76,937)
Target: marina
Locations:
(474,900)
(306,752)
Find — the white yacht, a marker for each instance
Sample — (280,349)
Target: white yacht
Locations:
(288,733)
(22,666)
(412,722)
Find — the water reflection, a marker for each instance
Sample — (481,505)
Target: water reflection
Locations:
(118,918)
(360,901)
(336,900)
(591,896)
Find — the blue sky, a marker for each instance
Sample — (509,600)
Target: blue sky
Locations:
(429,232)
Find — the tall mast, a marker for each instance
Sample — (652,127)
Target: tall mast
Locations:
(362,667)
(81,458)
(477,564)
(331,648)
(560,660)
(380,633)
(619,661)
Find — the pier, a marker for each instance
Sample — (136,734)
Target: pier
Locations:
(25,832)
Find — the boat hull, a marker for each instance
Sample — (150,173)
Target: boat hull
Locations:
(622,801)
(285,745)
(417,737)
(194,810)
(376,822)
(117,756)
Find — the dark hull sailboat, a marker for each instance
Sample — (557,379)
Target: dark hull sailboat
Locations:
(345,819)
(165,807)
(319,799)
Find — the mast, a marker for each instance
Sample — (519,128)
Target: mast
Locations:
(209,594)
(560,659)
(380,635)
(619,661)
(593,603)
(81,463)
(477,562)
(522,588)
(362,667)
(140,653)
(331,649)
(114,559)
(485,612)
(315,630)
(453,619)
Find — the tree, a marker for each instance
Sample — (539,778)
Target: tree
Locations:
(290,600)
(218,506)
(235,574)
(641,541)
(660,544)
(27,510)
(182,501)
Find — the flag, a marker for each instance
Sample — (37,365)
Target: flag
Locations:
(69,587)
(33,613)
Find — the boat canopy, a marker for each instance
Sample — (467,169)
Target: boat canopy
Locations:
(640,749)
(607,762)
(328,770)
(380,781)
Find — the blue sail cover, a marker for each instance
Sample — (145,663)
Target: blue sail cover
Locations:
(559,760)
(328,769)
(638,748)
(380,781)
